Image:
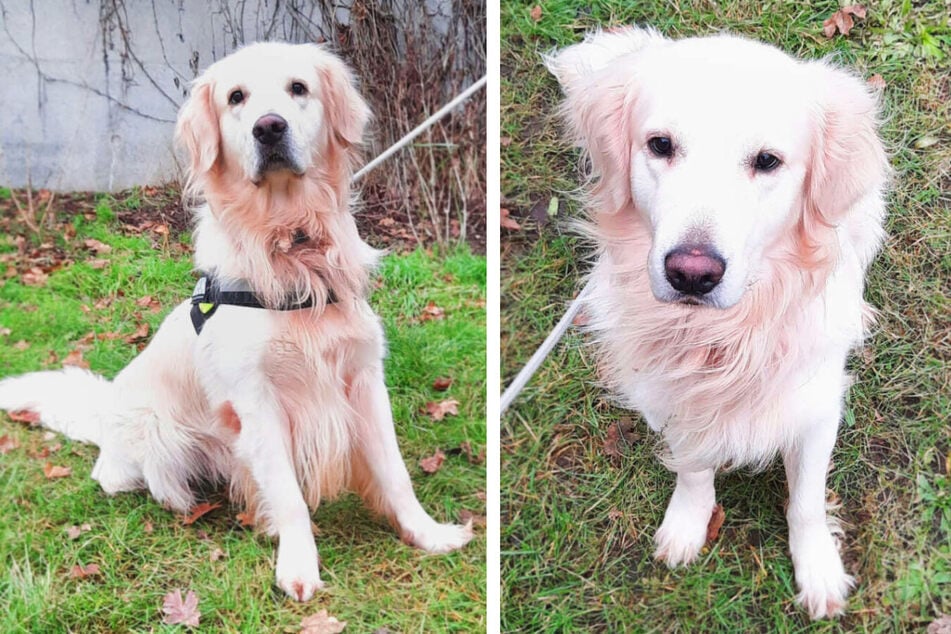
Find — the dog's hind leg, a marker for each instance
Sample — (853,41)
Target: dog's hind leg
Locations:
(380,475)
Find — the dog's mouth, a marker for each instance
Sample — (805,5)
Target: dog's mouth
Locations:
(276,160)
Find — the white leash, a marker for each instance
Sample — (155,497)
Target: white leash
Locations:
(526,373)
(422,127)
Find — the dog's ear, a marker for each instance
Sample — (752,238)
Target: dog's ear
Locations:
(848,160)
(197,129)
(600,92)
(345,108)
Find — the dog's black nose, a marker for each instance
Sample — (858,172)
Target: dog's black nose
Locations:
(269,129)
(694,269)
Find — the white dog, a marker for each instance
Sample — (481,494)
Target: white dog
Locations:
(271,378)
(737,201)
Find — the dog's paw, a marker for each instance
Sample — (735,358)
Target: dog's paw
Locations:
(439,538)
(823,583)
(298,569)
(115,474)
(682,534)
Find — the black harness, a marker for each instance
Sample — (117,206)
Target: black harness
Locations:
(211,292)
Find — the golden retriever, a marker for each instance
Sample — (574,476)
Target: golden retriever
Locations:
(287,404)
(737,201)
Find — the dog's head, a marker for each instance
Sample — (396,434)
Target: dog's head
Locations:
(269,111)
(722,146)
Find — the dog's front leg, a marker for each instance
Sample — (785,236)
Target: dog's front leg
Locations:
(822,580)
(381,476)
(684,529)
(264,448)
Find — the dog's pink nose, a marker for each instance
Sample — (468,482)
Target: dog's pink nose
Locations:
(269,129)
(694,269)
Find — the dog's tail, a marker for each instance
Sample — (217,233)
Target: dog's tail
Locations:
(72,401)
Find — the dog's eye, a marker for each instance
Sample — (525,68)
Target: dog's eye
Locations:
(661,146)
(298,88)
(235,97)
(766,162)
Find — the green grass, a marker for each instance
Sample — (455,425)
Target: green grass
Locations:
(374,580)
(577,525)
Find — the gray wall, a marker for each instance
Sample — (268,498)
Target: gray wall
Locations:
(91,88)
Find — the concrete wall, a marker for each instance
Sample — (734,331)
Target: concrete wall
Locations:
(91,88)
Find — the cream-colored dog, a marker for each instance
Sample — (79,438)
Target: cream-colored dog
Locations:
(285,402)
(737,201)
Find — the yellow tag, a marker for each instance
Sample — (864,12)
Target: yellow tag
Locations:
(204,308)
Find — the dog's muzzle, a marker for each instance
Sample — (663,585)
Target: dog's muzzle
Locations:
(273,146)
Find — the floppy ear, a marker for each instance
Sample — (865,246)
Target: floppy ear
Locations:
(848,160)
(197,129)
(600,95)
(345,108)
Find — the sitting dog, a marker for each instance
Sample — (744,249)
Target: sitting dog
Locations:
(271,377)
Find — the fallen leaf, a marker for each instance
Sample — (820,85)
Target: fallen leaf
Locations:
(615,514)
(198,511)
(433,463)
(245,518)
(442,383)
(480,495)
(21,345)
(4,332)
(144,301)
(35,277)
(81,572)
(877,82)
(216,554)
(942,625)
(97,263)
(147,526)
(507,222)
(440,410)
(8,444)
(432,311)
(716,521)
(141,334)
(536,12)
(161,229)
(97,246)
(26,416)
(622,432)
(321,623)
(179,612)
(42,454)
(842,21)
(75,358)
(52,471)
(73,532)
(470,517)
(505,141)
(474,458)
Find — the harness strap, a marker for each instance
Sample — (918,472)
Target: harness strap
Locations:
(211,292)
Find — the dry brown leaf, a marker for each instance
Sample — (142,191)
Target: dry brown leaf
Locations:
(216,554)
(716,521)
(97,263)
(141,334)
(536,12)
(505,141)
(8,444)
(81,572)
(942,625)
(75,358)
(433,463)
(97,246)
(53,471)
(438,411)
(474,458)
(442,383)
(21,345)
(179,612)
(198,511)
(432,311)
(470,517)
(321,623)
(144,301)
(73,532)
(842,21)
(5,332)
(26,416)
(35,277)
(877,82)
(507,222)
(42,454)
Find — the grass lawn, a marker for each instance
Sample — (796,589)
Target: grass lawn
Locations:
(374,580)
(577,524)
